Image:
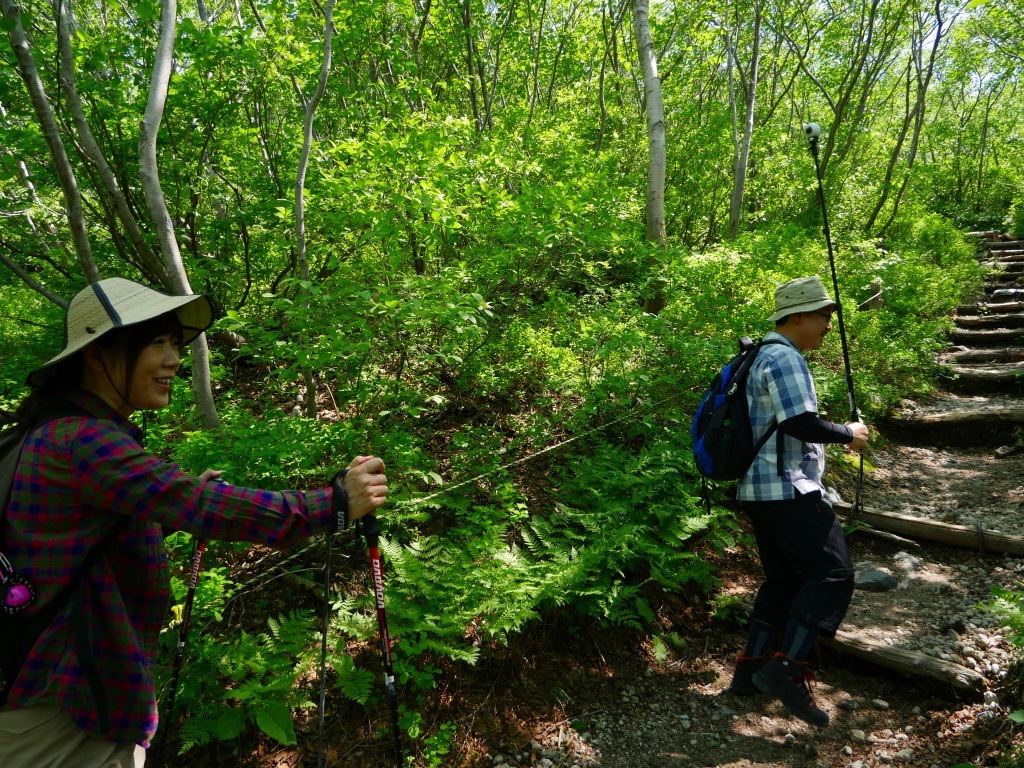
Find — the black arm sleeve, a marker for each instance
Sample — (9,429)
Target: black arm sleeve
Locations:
(810,428)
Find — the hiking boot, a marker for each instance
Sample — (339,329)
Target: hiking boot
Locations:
(743,678)
(786,680)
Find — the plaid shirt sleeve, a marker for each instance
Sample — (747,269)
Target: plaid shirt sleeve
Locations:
(780,387)
(77,478)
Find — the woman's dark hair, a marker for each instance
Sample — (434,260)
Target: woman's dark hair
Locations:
(66,376)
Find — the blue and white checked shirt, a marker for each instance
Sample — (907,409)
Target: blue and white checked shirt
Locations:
(780,385)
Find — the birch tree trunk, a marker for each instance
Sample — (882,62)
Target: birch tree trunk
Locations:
(148,261)
(656,149)
(51,133)
(750,98)
(150,177)
(300,182)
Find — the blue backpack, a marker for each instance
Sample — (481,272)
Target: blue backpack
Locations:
(723,440)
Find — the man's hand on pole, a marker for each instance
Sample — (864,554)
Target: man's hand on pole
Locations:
(860,435)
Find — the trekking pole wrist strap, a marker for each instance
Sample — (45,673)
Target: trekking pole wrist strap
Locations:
(339,500)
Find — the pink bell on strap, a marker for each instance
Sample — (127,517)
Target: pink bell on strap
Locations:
(17,591)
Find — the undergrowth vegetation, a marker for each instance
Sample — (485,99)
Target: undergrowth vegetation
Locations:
(485,532)
(537,451)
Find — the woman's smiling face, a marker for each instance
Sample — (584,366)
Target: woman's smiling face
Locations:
(155,368)
(133,369)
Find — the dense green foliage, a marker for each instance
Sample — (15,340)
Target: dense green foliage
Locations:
(475,228)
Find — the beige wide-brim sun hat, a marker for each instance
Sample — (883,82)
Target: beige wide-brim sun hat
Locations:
(805,294)
(119,303)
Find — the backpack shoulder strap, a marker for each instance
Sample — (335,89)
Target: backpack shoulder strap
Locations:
(774,424)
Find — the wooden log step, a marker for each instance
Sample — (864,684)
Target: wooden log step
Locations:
(987,338)
(853,643)
(1005,355)
(983,308)
(1002,278)
(1007,294)
(1005,245)
(1009,268)
(987,416)
(1007,257)
(1008,373)
(934,530)
(1013,265)
(1002,307)
(905,661)
(987,234)
(1007,320)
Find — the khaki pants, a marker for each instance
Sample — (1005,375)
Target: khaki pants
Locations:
(44,737)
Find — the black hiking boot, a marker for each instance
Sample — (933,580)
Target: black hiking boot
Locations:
(786,679)
(743,678)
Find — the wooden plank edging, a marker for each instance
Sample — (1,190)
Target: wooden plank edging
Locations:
(907,662)
(933,530)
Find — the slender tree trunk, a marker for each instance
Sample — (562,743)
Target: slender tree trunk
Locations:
(536,45)
(601,79)
(893,157)
(51,133)
(743,156)
(300,182)
(471,74)
(161,217)
(46,247)
(656,148)
(32,283)
(982,151)
(153,267)
(937,34)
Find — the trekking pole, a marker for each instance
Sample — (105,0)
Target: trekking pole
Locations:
(323,652)
(186,620)
(813,132)
(371,532)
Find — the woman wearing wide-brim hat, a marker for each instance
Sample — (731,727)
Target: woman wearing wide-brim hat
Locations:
(85,696)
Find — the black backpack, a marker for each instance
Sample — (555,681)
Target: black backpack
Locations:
(723,440)
(19,628)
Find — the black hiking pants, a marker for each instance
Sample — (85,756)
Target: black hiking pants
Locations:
(807,568)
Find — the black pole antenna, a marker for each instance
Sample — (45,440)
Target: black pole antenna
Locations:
(813,131)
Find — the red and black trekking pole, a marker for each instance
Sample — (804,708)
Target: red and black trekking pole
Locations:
(186,622)
(813,132)
(371,532)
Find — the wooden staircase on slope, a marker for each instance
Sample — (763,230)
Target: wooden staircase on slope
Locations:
(989,335)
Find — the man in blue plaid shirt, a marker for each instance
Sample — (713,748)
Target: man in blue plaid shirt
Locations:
(808,574)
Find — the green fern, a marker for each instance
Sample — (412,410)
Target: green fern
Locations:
(355,683)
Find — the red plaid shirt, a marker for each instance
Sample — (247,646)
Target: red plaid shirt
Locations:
(76,479)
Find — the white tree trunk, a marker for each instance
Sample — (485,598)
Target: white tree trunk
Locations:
(300,181)
(90,149)
(51,133)
(656,144)
(150,178)
(743,156)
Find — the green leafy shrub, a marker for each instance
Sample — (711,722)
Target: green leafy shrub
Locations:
(1015,219)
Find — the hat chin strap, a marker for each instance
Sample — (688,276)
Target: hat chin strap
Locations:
(118,392)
